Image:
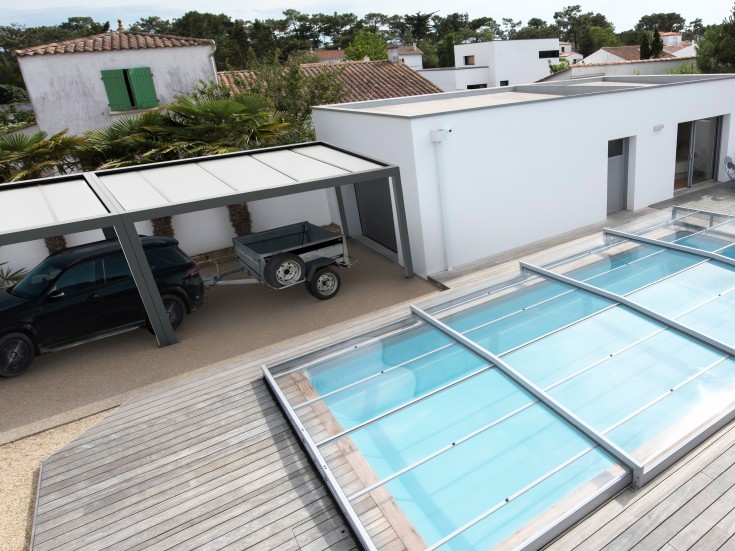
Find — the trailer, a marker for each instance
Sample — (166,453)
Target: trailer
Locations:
(286,256)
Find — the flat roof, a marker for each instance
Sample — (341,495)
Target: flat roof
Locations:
(463,100)
(456,104)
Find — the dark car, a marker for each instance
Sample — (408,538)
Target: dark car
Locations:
(87,292)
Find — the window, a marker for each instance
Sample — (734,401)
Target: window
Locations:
(469,60)
(130,88)
(547,54)
(476,86)
(504,82)
(77,279)
(116,268)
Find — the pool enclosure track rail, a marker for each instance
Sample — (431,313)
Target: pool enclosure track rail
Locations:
(714,343)
(605,443)
(673,246)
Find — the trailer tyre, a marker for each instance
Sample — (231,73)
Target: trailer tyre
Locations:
(325,283)
(283,270)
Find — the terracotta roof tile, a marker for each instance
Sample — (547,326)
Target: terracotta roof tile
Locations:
(628,53)
(115,40)
(363,80)
(328,54)
(409,50)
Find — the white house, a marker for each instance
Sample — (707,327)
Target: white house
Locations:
(481,171)
(611,54)
(510,62)
(572,57)
(449,79)
(410,55)
(87,83)
(670,38)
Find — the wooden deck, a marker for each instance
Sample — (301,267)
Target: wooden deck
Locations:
(212,463)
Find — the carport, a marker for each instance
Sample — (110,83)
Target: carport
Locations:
(114,200)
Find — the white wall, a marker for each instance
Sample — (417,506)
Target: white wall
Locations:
(516,61)
(627,68)
(602,56)
(457,78)
(415,61)
(506,186)
(67,90)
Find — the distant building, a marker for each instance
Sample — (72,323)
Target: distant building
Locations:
(670,38)
(328,56)
(571,57)
(88,83)
(611,54)
(410,55)
(497,63)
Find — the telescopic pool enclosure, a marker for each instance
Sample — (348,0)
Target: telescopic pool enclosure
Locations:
(501,417)
(113,200)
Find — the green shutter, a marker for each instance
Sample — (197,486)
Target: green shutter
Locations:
(117,90)
(141,81)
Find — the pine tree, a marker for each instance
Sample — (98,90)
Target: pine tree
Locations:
(657,45)
(645,47)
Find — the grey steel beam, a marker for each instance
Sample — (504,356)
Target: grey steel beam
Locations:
(647,312)
(395,179)
(144,281)
(342,213)
(673,246)
(59,228)
(601,440)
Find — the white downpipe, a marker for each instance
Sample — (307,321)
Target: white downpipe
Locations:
(437,137)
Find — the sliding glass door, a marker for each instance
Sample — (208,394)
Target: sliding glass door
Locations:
(696,152)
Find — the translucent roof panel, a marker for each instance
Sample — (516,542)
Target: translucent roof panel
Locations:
(337,158)
(46,204)
(299,167)
(185,182)
(244,173)
(133,191)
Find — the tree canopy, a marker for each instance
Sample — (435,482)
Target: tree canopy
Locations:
(716,49)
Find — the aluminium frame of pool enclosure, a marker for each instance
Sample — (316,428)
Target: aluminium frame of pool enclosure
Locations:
(113,200)
(637,471)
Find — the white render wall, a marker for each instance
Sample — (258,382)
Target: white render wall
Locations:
(505,185)
(516,61)
(67,92)
(202,231)
(602,56)
(622,68)
(415,61)
(457,78)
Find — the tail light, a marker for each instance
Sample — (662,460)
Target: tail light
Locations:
(192,272)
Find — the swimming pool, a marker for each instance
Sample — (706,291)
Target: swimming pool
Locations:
(498,419)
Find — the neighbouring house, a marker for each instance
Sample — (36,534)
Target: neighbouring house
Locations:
(410,55)
(496,63)
(362,80)
(572,57)
(611,54)
(479,175)
(328,56)
(660,66)
(688,48)
(88,83)
(670,38)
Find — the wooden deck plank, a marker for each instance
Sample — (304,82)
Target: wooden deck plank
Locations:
(214,476)
(696,529)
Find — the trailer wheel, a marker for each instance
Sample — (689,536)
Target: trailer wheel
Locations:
(325,283)
(283,270)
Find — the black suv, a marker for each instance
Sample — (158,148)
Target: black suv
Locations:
(87,292)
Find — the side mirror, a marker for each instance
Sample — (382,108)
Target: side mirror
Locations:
(55,294)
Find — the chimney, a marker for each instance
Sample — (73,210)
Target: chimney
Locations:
(393,54)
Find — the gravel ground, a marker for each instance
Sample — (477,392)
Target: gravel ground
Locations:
(19,463)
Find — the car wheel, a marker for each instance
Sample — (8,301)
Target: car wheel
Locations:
(283,270)
(325,284)
(175,309)
(16,354)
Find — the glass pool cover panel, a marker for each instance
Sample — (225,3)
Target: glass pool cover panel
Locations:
(487,423)
(422,432)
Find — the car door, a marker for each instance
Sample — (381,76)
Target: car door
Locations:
(119,295)
(70,309)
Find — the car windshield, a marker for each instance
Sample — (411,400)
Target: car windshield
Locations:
(37,280)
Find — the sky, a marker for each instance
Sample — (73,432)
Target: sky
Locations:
(624,14)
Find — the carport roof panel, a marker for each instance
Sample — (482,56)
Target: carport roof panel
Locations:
(338,158)
(48,204)
(246,173)
(299,167)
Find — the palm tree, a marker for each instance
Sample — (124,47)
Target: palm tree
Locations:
(29,156)
(210,121)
